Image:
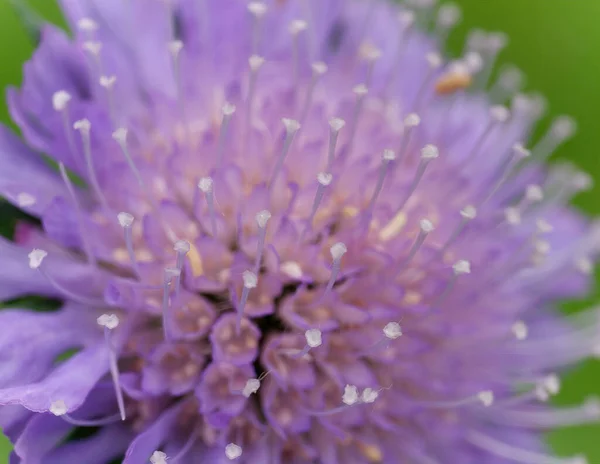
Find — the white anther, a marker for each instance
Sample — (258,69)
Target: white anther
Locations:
(258,9)
(461,267)
(350,395)
(313,338)
(388,155)
(469,212)
(205,184)
(360,90)
(336,124)
(563,127)
(496,41)
(369,51)
(182,246)
(58,408)
(87,25)
(474,62)
(582,181)
(36,256)
(291,125)
(324,178)
(521,151)
(426,226)
(591,407)
(319,68)
(92,47)
(552,384)
(499,113)
(434,60)
(110,321)
(297,26)
(512,216)
(252,386)
(158,457)
(338,250)
(83,125)
(392,330)
(459,68)
(429,152)
(171,273)
(406,18)
(520,330)
(250,279)
(256,62)
(228,109)
(292,269)
(125,219)
(120,135)
(262,218)
(233,451)
(584,265)
(542,247)
(412,120)
(107,81)
(369,395)
(486,397)
(543,226)
(541,393)
(448,15)
(25,200)
(175,46)
(534,193)
(60,100)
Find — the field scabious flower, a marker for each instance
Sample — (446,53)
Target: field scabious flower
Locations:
(302,236)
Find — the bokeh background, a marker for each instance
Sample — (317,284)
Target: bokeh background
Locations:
(555,42)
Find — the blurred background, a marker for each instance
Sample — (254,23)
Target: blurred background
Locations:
(555,43)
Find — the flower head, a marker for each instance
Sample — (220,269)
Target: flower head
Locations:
(303,237)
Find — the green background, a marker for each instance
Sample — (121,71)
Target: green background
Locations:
(556,43)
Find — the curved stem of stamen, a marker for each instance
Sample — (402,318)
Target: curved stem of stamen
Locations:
(70,295)
(92,422)
(114,371)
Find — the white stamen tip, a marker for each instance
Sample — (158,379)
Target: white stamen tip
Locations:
(182,246)
(499,113)
(338,250)
(412,120)
(250,279)
(584,265)
(262,218)
(175,47)
(486,397)
(426,225)
(291,125)
(36,256)
(83,125)
(292,269)
(462,267)
(258,9)
(24,200)
(58,408)
(256,62)
(324,178)
(592,407)
(107,81)
(563,127)
(542,247)
(369,395)
(252,386)
(521,151)
(474,62)
(543,226)
(360,90)
(158,457)
(582,181)
(233,451)
(469,212)
(429,152)
(125,219)
(496,41)
(434,60)
(313,338)
(87,25)
(388,155)
(369,51)
(60,100)
(92,47)
(228,109)
(205,184)
(392,330)
(406,18)
(552,384)
(512,216)
(448,15)
(171,272)
(350,395)
(297,26)
(336,124)
(520,330)
(120,135)
(534,193)
(110,321)
(319,68)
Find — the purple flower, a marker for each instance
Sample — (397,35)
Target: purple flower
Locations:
(302,237)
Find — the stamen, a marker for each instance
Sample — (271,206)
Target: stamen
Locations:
(520,330)
(59,409)
(508,84)
(88,26)
(504,450)
(533,194)
(498,115)
(313,340)
(324,179)
(387,157)
(36,257)
(261,219)
(158,457)
(87,246)
(360,91)
(110,322)
(434,61)
(517,154)
(169,274)
(84,126)
(296,26)
(449,15)
(489,46)
(251,387)
(425,228)
(406,20)
(187,446)
(562,129)
(108,83)
(60,103)
(428,153)
(318,69)
(255,63)
(181,248)
(485,397)
(370,54)
(250,281)
(291,127)
(459,268)
(206,186)
(258,10)
(228,110)
(468,213)
(175,47)
(411,121)
(233,451)
(337,251)
(126,220)
(391,331)
(350,398)
(335,125)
